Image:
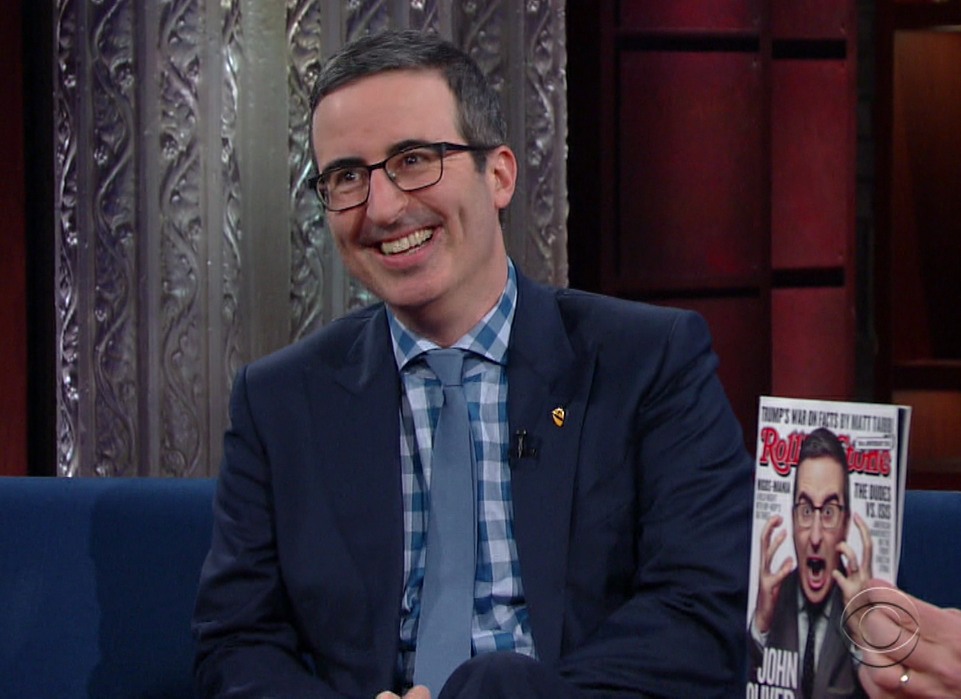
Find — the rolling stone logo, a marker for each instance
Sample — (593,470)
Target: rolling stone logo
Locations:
(781,453)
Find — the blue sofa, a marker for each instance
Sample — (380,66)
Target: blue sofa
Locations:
(930,565)
(97,581)
(97,585)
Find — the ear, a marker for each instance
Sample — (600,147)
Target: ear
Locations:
(502,174)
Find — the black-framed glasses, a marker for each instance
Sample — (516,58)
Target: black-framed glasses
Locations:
(832,514)
(413,168)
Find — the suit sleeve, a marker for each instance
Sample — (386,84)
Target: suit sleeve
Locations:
(247,645)
(681,630)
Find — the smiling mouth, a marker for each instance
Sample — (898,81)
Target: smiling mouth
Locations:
(409,242)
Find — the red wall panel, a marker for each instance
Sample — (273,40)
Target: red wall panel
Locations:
(691,14)
(810,19)
(811,343)
(811,163)
(691,168)
(725,183)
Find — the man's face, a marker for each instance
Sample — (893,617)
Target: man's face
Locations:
(819,481)
(453,266)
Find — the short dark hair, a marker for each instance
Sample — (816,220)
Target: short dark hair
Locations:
(823,442)
(479,117)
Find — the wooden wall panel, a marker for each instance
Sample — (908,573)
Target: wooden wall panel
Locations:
(935,449)
(725,182)
(690,14)
(917,247)
(811,19)
(811,163)
(811,338)
(925,274)
(691,168)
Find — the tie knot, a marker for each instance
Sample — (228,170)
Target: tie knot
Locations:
(813,610)
(447,364)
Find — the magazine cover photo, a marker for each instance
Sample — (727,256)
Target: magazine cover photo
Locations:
(829,489)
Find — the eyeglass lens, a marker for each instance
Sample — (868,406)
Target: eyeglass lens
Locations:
(830,514)
(414,168)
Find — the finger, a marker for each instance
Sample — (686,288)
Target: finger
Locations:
(775,545)
(849,585)
(867,543)
(854,571)
(870,685)
(936,622)
(783,572)
(387,695)
(899,681)
(769,527)
(773,522)
(768,554)
(418,692)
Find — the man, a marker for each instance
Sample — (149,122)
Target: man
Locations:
(612,486)
(801,609)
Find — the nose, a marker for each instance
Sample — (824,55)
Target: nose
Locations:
(816,532)
(386,201)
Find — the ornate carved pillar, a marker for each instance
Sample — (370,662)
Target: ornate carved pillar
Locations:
(186,243)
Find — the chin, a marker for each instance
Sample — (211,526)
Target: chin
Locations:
(818,596)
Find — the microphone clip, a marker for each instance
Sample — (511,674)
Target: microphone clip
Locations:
(523,446)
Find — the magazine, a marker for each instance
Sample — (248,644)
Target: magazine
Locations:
(828,498)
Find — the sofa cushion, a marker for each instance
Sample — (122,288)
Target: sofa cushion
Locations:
(98,583)
(930,565)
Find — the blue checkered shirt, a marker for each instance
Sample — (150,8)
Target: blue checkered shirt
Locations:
(501,620)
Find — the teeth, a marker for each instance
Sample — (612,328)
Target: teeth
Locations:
(419,237)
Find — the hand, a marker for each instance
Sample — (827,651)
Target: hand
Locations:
(925,658)
(418,692)
(769,584)
(859,574)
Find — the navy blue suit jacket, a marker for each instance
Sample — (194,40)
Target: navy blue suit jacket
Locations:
(632,521)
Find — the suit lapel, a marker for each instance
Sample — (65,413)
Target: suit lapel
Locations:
(545,372)
(835,671)
(354,407)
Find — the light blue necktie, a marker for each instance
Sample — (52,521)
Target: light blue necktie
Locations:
(447,596)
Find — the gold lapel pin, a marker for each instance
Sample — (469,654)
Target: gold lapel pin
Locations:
(558,415)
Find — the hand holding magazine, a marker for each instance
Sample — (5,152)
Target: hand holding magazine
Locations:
(924,659)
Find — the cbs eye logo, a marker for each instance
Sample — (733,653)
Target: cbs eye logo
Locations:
(881,623)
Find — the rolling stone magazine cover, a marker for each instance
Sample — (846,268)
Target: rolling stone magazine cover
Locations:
(801,519)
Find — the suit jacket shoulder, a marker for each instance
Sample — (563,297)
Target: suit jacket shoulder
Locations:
(332,346)
(605,317)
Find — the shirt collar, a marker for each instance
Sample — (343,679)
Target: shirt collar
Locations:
(823,609)
(488,338)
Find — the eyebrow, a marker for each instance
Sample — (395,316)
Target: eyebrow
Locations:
(833,497)
(392,150)
(342,163)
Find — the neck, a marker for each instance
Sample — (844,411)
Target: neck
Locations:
(445,321)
